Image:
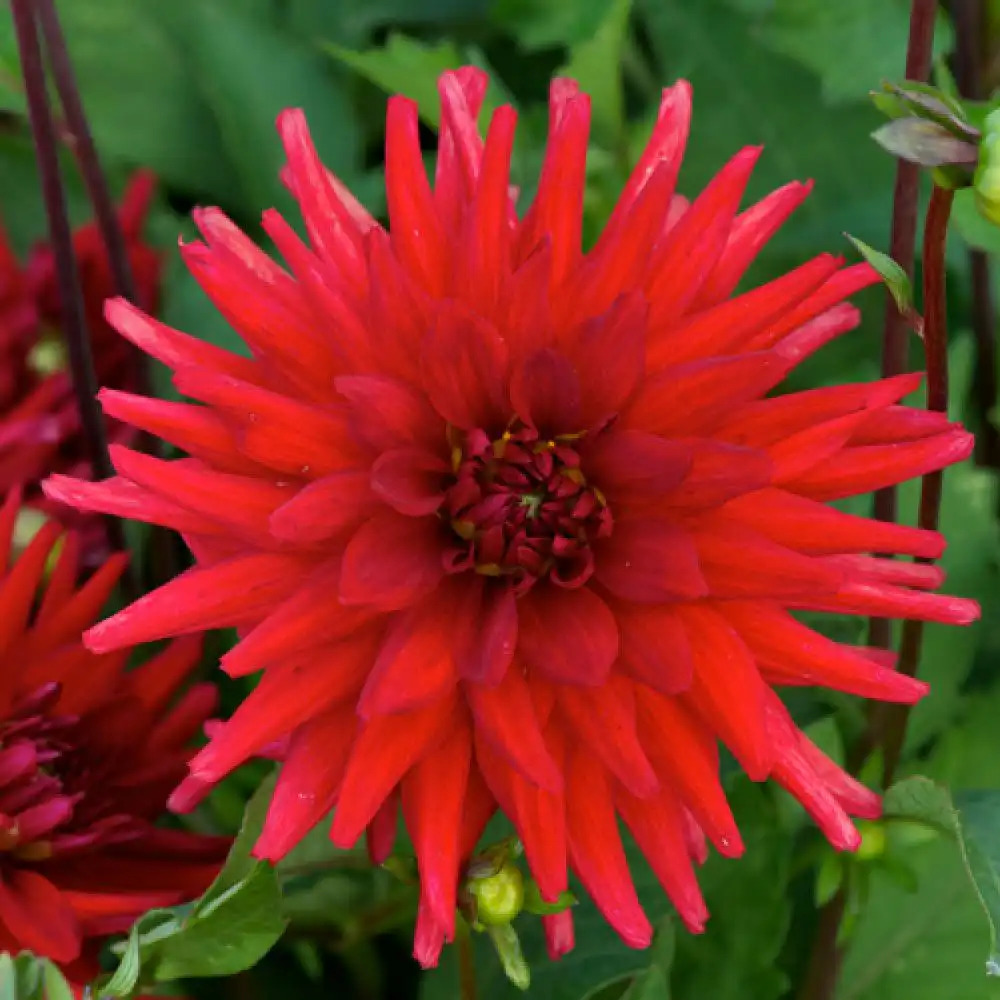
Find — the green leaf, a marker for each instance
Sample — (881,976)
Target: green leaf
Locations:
(654,983)
(508,948)
(849,45)
(649,985)
(749,901)
(930,944)
(595,63)
(21,210)
(11,90)
(895,278)
(125,978)
(54,983)
(141,97)
(979,831)
(230,928)
(407,66)
(746,96)
(227,935)
(247,72)
(239,864)
(553,23)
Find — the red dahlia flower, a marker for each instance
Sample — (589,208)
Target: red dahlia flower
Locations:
(510,525)
(88,754)
(40,429)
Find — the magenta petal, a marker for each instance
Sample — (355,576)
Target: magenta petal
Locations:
(569,636)
(410,480)
(649,561)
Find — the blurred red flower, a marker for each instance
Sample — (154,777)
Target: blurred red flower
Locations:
(40,429)
(507,524)
(89,752)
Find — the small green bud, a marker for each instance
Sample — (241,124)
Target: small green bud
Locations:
(873,842)
(499,897)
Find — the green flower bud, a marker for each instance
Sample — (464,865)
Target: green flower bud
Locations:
(873,842)
(499,897)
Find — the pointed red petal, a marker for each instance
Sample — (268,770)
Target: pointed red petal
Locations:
(569,636)
(392,561)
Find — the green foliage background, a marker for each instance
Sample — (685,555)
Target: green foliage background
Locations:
(191,88)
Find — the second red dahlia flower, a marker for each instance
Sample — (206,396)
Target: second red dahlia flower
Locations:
(40,429)
(508,525)
(88,754)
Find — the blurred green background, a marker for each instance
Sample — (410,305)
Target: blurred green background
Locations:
(191,88)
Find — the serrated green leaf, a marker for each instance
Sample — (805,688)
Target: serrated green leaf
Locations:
(410,67)
(894,277)
(972,818)
(929,943)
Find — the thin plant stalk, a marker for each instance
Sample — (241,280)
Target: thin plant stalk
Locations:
(902,249)
(73,315)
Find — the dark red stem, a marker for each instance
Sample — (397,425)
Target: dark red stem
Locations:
(86,152)
(72,312)
(826,954)
(902,249)
(936,353)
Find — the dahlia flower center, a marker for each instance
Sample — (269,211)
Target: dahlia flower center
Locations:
(521,507)
(47,782)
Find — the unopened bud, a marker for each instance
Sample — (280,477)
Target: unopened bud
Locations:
(500,896)
(873,842)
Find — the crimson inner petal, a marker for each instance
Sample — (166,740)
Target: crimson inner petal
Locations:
(55,799)
(520,507)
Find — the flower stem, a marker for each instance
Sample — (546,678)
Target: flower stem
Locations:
(73,316)
(826,954)
(902,249)
(936,350)
(82,143)
(888,730)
